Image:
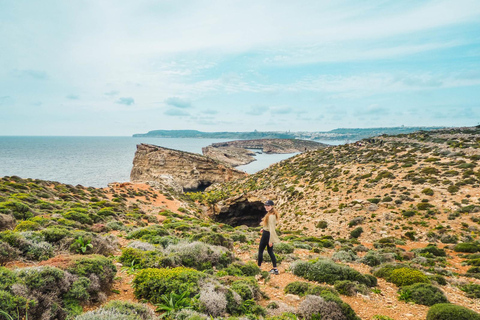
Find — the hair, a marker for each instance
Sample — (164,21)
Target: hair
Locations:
(265,219)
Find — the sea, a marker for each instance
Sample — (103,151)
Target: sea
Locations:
(95,161)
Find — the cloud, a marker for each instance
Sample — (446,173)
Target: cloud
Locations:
(111,93)
(178,103)
(210,111)
(5,100)
(29,73)
(72,97)
(257,110)
(373,110)
(176,113)
(281,110)
(128,101)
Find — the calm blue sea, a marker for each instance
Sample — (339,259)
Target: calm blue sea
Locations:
(93,161)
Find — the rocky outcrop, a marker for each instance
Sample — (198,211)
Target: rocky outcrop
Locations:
(239,210)
(236,153)
(181,170)
(273,145)
(232,156)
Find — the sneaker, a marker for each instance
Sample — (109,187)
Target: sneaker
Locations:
(274,271)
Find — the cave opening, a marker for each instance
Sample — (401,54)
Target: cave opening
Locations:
(242,213)
(202,185)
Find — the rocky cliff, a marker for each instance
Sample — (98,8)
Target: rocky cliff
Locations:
(236,153)
(184,171)
(273,145)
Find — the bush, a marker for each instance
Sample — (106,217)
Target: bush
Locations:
(327,271)
(148,233)
(422,293)
(407,276)
(19,210)
(250,269)
(344,256)
(27,226)
(428,191)
(447,311)
(350,288)
(472,290)
(283,247)
(99,266)
(78,216)
(7,253)
(151,284)
(374,258)
(119,310)
(54,233)
(327,306)
(355,233)
(467,247)
(432,250)
(200,255)
(301,288)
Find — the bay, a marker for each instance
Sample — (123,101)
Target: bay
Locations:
(93,161)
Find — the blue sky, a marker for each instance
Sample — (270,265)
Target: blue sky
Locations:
(116,67)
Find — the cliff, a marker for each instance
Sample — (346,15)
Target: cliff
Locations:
(181,170)
(235,153)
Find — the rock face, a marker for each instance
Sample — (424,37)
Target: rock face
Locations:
(181,170)
(273,145)
(233,156)
(240,210)
(235,153)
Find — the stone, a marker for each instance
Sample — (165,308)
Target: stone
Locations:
(373,207)
(179,169)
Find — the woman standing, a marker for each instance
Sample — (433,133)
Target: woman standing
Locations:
(269,236)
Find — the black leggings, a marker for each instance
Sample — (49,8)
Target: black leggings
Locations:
(264,243)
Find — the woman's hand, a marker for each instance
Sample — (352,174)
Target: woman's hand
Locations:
(261,230)
(270,244)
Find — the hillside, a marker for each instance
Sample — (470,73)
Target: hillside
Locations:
(381,229)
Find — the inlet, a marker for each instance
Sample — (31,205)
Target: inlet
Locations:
(242,213)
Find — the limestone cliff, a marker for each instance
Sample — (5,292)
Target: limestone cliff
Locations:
(236,153)
(274,145)
(185,170)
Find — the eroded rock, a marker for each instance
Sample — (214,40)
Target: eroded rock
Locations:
(188,171)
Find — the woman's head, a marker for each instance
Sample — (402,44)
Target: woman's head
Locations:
(269,207)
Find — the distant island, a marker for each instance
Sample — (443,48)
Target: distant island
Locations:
(351,134)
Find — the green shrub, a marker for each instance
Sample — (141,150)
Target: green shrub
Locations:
(214,238)
(148,233)
(54,233)
(349,288)
(150,283)
(119,310)
(283,247)
(78,216)
(432,250)
(428,191)
(422,293)
(448,311)
(355,233)
(301,288)
(19,210)
(27,226)
(14,305)
(467,247)
(472,290)
(97,265)
(249,269)
(7,253)
(407,276)
(324,270)
(375,258)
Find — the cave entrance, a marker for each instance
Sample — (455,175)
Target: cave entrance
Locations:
(242,213)
(202,185)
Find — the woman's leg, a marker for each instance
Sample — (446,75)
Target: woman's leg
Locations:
(261,247)
(272,256)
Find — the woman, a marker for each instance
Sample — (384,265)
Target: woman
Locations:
(269,236)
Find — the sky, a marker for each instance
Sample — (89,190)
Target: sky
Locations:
(118,67)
